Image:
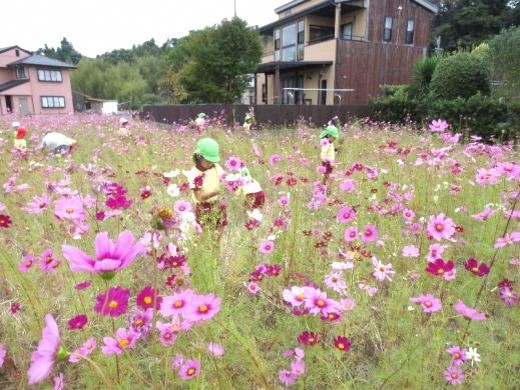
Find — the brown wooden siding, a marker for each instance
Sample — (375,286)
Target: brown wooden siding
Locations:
(364,66)
(421,16)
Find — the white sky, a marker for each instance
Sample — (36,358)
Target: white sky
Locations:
(98,26)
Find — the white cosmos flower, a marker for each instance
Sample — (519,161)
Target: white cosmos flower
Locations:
(173,190)
(171,174)
(473,355)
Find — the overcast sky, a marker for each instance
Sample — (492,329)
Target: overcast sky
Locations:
(98,26)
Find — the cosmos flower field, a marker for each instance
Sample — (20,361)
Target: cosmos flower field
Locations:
(403,273)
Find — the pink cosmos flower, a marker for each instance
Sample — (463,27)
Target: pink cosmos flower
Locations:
(112,303)
(3,352)
(216,349)
(382,271)
(124,339)
(85,350)
(141,321)
(234,163)
(182,206)
(440,227)
(508,296)
(484,215)
(59,383)
(274,159)
(458,355)
(317,302)
(428,302)
(284,200)
(110,257)
(43,359)
(286,377)
(296,295)
(48,263)
(434,252)
(176,303)
(347,304)
(253,287)
(438,126)
(266,247)
(335,281)
(487,176)
(27,263)
(69,208)
(298,367)
(167,332)
(408,214)
(348,185)
(203,308)
(369,233)
(351,234)
(346,214)
(508,239)
(83,285)
(410,251)
(39,204)
(468,312)
(454,375)
(190,369)
(177,361)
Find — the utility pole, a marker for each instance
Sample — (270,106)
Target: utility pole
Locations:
(235,8)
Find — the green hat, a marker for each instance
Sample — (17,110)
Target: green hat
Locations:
(330,130)
(202,115)
(248,117)
(244,171)
(209,149)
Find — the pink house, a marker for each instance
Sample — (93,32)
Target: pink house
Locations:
(33,84)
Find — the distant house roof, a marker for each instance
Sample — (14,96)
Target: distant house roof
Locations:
(270,67)
(12,84)
(92,99)
(3,49)
(39,60)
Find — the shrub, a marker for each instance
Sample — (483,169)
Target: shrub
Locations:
(484,115)
(461,74)
(423,73)
(397,107)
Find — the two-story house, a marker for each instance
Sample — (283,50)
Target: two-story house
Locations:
(340,51)
(33,84)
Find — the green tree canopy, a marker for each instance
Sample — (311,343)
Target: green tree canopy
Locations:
(65,52)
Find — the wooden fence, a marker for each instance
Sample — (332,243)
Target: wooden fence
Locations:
(231,114)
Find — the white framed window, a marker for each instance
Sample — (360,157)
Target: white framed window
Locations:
(387,37)
(410,27)
(300,40)
(53,101)
(20,72)
(53,76)
(346,31)
(277,44)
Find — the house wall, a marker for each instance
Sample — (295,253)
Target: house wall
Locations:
(6,74)
(410,10)
(359,22)
(300,7)
(40,89)
(364,66)
(10,56)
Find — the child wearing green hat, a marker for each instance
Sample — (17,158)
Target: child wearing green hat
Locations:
(200,122)
(204,181)
(328,153)
(248,122)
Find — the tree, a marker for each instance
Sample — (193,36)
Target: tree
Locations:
(65,52)
(220,62)
(466,23)
(505,61)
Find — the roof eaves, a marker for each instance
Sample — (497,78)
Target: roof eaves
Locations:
(426,4)
(288,5)
(11,84)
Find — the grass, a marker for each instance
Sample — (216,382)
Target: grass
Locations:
(392,346)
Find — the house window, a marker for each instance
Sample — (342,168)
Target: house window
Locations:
(409,32)
(388,29)
(301,39)
(346,31)
(20,72)
(49,75)
(17,52)
(53,101)
(320,33)
(264,93)
(277,44)
(289,43)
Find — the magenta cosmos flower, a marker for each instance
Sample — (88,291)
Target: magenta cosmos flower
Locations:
(112,303)
(369,233)
(342,343)
(428,303)
(266,247)
(440,227)
(110,257)
(508,296)
(124,339)
(308,338)
(350,234)
(190,369)
(48,351)
(346,214)
(203,308)
(458,355)
(475,268)
(439,267)
(78,322)
(146,298)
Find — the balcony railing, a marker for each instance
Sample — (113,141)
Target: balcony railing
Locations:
(330,37)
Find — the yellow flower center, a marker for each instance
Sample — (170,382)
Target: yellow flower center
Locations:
(440,271)
(138,323)
(454,375)
(439,227)
(123,343)
(178,304)
(69,210)
(456,355)
(341,346)
(311,339)
(190,371)
(147,300)
(203,309)
(299,297)
(112,304)
(475,270)
(320,303)
(428,304)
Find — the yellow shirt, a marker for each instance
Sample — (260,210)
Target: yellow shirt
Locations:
(210,182)
(20,144)
(328,153)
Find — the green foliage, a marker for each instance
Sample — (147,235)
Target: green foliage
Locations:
(467,23)
(219,62)
(65,52)
(397,107)
(484,115)
(423,73)
(461,74)
(505,62)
